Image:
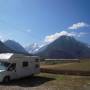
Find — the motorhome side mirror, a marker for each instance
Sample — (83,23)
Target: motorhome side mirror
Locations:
(12,67)
(15,70)
(9,69)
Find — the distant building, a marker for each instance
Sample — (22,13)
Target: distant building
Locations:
(62,60)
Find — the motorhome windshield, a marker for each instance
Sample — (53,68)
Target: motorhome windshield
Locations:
(3,65)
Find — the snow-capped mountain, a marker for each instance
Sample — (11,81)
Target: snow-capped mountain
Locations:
(32,48)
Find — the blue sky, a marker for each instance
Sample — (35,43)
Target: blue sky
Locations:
(28,21)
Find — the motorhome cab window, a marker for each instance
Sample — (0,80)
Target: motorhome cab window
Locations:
(4,65)
(25,64)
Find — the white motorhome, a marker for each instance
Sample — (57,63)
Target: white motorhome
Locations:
(15,66)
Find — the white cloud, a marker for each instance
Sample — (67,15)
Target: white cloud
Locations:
(51,38)
(78,25)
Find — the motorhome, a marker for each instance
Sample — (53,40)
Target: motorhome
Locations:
(15,66)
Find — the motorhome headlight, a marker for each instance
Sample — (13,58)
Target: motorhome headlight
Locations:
(1,76)
(1,72)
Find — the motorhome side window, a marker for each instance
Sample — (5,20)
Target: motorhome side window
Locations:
(12,67)
(36,60)
(25,64)
(37,66)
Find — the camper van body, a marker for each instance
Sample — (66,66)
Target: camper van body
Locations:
(15,66)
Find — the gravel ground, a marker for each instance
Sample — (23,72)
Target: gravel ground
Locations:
(29,83)
(49,82)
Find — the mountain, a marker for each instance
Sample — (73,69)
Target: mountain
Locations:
(4,48)
(65,47)
(32,48)
(16,47)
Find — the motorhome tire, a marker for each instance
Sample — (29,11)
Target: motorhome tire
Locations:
(6,79)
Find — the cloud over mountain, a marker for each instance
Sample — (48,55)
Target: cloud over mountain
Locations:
(51,38)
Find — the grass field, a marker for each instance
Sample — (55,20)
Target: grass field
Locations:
(82,65)
(67,82)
